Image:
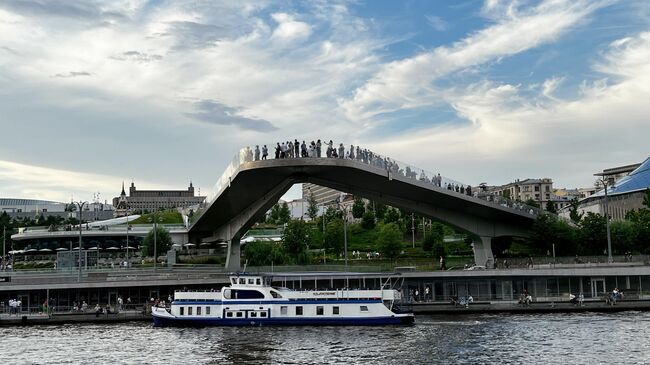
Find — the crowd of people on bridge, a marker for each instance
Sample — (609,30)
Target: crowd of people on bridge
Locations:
(315,149)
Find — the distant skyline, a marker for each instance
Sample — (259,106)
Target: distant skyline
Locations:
(94,93)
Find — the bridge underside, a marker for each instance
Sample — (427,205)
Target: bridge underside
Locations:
(258,185)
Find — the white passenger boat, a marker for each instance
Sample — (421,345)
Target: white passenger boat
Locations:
(250,300)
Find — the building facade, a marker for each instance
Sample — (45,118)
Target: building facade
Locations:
(538,190)
(321,194)
(153,200)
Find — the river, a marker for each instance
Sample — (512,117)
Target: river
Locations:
(586,338)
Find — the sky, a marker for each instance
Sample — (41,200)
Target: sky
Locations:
(94,93)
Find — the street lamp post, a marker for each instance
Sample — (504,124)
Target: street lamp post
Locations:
(606,180)
(127,238)
(345,231)
(80,205)
(413,229)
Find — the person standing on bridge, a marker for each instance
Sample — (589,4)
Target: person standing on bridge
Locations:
(277,151)
(296,148)
(341,150)
(265,152)
(351,152)
(318,148)
(303,149)
(257,152)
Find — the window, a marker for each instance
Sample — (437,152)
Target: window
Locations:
(253,314)
(283,310)
(275,294)
(299,310)
(198,311)
(363,308)
(207,310)
(335,310)
(182,313)
(242,281)
(263,314)
(319,310)
(536,188)
(234,280)
(189,311)
(229,314)
(251,281)
(258,281)
(240,314)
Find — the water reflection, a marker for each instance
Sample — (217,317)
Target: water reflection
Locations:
(553,338)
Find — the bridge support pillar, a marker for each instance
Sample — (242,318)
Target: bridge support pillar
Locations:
(483,252)
(233,259)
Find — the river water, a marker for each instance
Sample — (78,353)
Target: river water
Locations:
(589,338)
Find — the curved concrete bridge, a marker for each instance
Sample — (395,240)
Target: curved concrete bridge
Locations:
(248,189)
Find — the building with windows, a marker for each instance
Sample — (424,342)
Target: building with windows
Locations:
(152,200)
(538,190)
(321,194)
(624,192)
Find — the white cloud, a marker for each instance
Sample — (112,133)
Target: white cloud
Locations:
(408,83)
(511,136)
(290,29)
(436,22)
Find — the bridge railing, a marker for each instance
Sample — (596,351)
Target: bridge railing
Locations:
(367,157)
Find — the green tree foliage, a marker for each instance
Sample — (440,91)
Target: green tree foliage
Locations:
(593,234)
(334,236)
(646,198)
(434,237)
(548,230)
(389,240)
(392,215)
(274,214)
(532,203)
(550,207)
(358,208)
(380,210)
(294,240)
(265,253)
(574,215)
(312,210)
(284,215)
(368,220)
(163,242)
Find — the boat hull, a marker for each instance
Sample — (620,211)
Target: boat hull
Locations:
(170,321)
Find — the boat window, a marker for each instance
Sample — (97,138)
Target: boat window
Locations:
(247,294)
(251,281)
(258,281)
(253,314)
(319,310)
(299,310)
(363,308)
(239,314)
(229,314)
(198,311)
(335,310)
(275,294)
(226,293)
(234,280)
(189,311)
(283,310)
(242,281)
(262,314)
(182,313)
(207,310)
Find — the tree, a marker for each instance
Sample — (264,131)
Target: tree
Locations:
(391,215)
(550,207)
(264,253)
(574,215)
(531,202)
(593,234)
(274,214)
(368,220)
(646,198)
(284,215)
(334,235)
(380,210)
(312,210)
(389,241)
(548,230)
(358,208)
(163,242)
(435,237)
(294,240)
